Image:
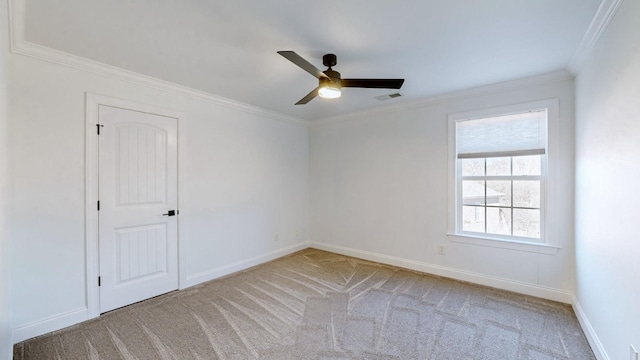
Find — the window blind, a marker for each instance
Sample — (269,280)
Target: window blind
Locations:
(508,135)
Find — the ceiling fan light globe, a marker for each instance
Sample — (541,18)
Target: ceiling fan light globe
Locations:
(329,92)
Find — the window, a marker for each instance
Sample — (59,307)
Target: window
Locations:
(501,195)
(499,173)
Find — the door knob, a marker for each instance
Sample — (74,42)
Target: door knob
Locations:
(171,213)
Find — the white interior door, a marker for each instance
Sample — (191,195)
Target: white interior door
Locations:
(138,245)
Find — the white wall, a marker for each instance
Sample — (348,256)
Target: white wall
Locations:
(6,350)
(244,173)
(374,183)
(607,184)
(379,190)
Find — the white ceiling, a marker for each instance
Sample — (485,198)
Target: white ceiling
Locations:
(228,48)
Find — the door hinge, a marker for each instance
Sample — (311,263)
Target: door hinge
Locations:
(99,282)
(98,205)
(98,126)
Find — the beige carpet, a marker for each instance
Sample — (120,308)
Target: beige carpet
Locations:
(318,305)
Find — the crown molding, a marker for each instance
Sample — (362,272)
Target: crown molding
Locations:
(537,80)
(19,45)
(603,16)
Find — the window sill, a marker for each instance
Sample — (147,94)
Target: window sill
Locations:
(538,248)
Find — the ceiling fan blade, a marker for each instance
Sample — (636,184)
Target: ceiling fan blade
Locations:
(309,96)
(373,83)
(302,63)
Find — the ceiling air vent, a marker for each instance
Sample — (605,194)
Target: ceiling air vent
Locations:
(387,97)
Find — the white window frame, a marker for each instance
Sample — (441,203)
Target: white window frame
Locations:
(548,242)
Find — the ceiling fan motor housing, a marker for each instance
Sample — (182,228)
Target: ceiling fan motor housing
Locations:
(333,75)
(332,82)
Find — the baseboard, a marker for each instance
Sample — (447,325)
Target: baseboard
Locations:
(49,324)
(476,278)
(215,273)
(73,317)
(589,332)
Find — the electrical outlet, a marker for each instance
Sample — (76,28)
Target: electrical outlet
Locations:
(297,233)
(633,353)
(442,250)
(276,237)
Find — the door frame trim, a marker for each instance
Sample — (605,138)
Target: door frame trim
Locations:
(92,261)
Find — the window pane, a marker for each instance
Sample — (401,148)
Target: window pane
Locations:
(526,193)
(473,192)
(473,218)
(472,167)
(527,165)
(499,166)
(526,223)
(499,221)
(499,193)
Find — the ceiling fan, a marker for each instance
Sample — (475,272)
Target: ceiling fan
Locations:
(330,81)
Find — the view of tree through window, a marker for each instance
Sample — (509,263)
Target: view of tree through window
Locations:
(502,195)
